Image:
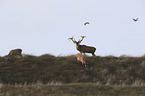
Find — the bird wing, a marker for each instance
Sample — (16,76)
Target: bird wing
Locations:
(86,23)
(133,19)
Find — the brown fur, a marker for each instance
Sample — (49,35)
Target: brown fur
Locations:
(86,49)
(13,54)
(81,58)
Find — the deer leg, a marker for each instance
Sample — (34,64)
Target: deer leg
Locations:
(85,65)
(82,64)
(93,54)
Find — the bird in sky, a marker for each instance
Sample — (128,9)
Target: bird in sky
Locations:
(86,23)
(135,19)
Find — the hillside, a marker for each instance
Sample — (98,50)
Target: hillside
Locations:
(47,68)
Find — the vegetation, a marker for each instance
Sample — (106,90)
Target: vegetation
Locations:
(40,89)
(51,75)
(107,70)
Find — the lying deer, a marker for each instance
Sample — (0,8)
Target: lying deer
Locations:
(81,58)
(16,53)
(83,48)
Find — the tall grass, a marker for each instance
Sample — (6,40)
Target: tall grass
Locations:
(75,89)
(108,70)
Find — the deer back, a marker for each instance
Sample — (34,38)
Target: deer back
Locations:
(15,52)
(84,48)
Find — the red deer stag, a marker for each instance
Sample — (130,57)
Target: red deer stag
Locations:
(83,48)
(81,58)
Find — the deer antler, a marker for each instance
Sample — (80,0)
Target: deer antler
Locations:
(81,39)
(72,39)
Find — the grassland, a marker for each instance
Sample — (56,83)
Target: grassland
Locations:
(70,90)
(48,75)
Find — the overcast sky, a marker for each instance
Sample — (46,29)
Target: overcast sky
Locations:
(44,26)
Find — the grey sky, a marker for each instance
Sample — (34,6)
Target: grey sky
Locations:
(44,26)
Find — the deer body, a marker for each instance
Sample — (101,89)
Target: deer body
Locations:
(86,49)
(81,58)
(16,53)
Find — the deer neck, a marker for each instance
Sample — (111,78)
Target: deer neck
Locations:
(77,46)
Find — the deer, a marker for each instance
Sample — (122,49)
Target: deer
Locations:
(16,53)
(83,48)
(81,58)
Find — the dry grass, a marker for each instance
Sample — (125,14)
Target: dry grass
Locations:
(75,89)
(48,75)
(107,70)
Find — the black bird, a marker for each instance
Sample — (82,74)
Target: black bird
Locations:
(86,23)
(135,19)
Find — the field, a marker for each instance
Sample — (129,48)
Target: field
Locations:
(70,90)
(48,75)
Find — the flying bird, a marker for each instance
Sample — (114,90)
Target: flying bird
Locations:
(135,19)
(86,23)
